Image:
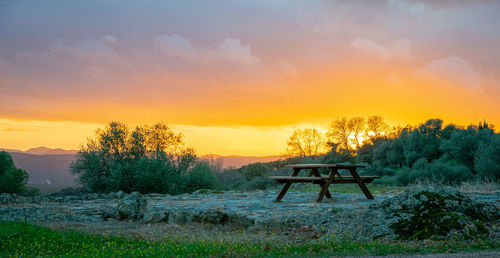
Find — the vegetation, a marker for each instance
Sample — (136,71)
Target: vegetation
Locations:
(154,158)
(429,152)
(434,217)
(21,239)
(145,159)
(12,179)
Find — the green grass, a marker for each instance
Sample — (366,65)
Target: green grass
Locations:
(26,240)
(346,188)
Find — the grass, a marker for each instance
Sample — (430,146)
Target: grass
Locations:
(346,188)
(26,240)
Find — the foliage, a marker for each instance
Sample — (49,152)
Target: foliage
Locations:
(306,142)
(22,239)
(12,179)
(146,159)
(437,215)
(254,170)
(487,158)
(261,183)
(430,151)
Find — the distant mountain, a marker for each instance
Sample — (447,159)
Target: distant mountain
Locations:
(49,172)
(42,151)
(235,161)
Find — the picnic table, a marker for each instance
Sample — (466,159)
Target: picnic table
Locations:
(315,177)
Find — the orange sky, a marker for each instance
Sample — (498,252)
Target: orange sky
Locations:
(239,77)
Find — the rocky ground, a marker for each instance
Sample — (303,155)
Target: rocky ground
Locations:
(245,215)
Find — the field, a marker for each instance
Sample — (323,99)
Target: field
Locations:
(22,239)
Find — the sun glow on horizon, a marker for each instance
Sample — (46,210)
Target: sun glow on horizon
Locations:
(242,86)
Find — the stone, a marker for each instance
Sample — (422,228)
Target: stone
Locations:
(433,213)
(155,215)
(132,206)
(5,198)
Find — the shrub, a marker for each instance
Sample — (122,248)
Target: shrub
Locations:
(487,159)
(230,178)
(200,177)
(261,183)
(254,170)
(12,179)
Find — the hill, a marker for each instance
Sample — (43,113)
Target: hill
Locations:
(50,172)
(235,161)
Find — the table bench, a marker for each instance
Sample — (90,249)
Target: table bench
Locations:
(315,177)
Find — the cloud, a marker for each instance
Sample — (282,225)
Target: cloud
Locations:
(396,49)
(230,50)
(90,48)
(453,69)
(177,46)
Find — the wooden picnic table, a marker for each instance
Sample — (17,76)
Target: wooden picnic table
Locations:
(315,177)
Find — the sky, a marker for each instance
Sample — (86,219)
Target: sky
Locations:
(237,77)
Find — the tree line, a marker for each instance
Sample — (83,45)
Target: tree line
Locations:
(429,151)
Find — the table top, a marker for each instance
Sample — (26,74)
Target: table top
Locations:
(306,166)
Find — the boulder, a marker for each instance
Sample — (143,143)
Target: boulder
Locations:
(118,195)
(132,206)
(5,198)
(156,215)
(437,213)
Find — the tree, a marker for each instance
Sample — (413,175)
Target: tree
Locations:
(148,159)
(487,158)
(376,126)
(356,126)
(339,133)
(12,179)
(306,142)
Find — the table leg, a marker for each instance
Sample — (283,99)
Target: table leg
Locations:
(315,172)
(324,190)
(361,184)
(283,191)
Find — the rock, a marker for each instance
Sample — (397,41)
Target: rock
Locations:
(443,213)
(155,215)
(181,216)
(5,198)
(109,212)
(132,206)
(118,195)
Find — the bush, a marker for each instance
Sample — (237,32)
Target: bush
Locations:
(435,172)
(230,178)
(487,159)
(254,170)
(154,175)
(261,183)
(12,179)
(200,177)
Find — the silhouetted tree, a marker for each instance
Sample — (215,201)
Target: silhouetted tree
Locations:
(376,126)
(306,142)
(356,126)
(339,133)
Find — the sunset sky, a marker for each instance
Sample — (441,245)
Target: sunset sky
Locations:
(237,77)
